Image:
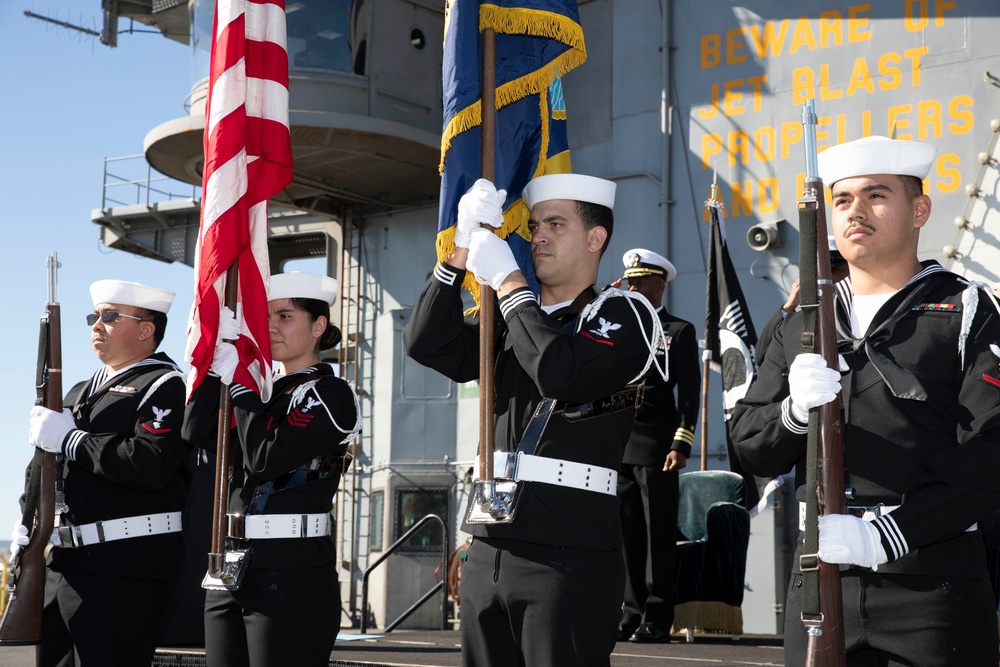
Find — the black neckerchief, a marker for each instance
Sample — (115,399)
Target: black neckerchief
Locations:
(901,382)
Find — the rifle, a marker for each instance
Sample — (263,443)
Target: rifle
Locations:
(822,599)
(22,619)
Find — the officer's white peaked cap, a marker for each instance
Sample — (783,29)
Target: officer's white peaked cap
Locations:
(876,155)
(641,262)
(575,187)
(296,285)
(131,294)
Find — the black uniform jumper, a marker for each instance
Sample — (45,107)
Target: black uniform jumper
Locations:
(287,609)
(545,589)
(106,601)
(921,431)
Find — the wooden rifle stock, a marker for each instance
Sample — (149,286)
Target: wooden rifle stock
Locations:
(825,473)
(22,619)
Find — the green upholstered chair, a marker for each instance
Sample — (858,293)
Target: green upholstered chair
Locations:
(713,534)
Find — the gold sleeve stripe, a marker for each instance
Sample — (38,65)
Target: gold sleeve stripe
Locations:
(684,435)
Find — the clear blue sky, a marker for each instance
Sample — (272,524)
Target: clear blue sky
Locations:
(69,102)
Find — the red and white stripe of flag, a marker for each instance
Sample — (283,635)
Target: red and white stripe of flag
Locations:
(248,159)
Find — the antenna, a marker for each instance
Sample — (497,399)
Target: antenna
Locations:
(63,24)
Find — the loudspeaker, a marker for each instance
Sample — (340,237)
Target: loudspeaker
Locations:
(764,236)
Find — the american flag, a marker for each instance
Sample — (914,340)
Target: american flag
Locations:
(248,159)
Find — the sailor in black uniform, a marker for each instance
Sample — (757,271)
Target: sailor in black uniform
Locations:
(287,460)
(546,588)
(657,450)
(921,433)
(120,488)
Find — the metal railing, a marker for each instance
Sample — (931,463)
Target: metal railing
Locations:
(150,188)
(389,627)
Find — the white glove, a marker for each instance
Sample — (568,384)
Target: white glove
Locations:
(847,539)
(225,361)
(48,428)
(490,258)
(812,384)
(481,205)
(229,323)
(19,540)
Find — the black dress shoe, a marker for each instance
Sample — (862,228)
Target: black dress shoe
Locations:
(625,633)
(647,634)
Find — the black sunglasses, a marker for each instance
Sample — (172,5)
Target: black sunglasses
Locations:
(108,317)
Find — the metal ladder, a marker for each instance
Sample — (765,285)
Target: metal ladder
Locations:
(357,321)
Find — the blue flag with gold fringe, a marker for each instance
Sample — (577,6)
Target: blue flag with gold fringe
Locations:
(537,41)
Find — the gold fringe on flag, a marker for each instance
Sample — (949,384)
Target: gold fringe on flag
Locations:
(520,22)
(708,616)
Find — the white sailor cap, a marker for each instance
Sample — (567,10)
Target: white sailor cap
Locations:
(575,187)
(641,262)
(876,155)
(296,285)
(131,294)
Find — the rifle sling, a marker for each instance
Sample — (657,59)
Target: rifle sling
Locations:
(809,560)
(33,484)
(32,489)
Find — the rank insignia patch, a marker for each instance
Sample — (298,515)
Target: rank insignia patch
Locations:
(123,389)
(299,418)
(606,328)
(602,335)
(942,307)
(156,427)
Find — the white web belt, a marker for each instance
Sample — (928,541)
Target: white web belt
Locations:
(74,537)
(278,526)
(522,467)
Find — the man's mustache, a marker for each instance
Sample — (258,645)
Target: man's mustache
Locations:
(847,232)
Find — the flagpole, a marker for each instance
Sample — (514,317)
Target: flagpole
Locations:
(486,294)
(706,354)
(220,508)
(706,358)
